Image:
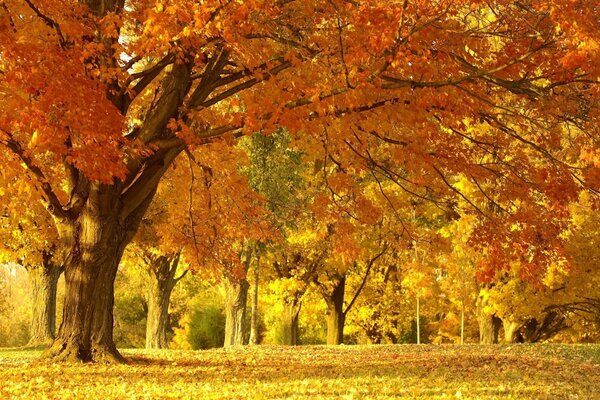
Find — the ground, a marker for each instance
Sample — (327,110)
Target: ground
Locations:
(318,372)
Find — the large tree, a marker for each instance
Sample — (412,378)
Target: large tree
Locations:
(98,97)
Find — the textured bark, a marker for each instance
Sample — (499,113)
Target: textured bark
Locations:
(44,279)
(291,311)
(336,317)
(162,270)
(94,242)
(86,333)
(489,328)
(235,311)
(254,316)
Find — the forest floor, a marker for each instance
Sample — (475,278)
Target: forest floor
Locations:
(344,372)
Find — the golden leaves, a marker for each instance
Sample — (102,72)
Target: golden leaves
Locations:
(304,372)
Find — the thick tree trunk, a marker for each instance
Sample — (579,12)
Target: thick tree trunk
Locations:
(510,330)
(489,324)
(489,328)
(162,270)
(44,279)
(86,332)
(157,321)
(336,317)
(254,316)
(94,242)
(235,311)
(291,311)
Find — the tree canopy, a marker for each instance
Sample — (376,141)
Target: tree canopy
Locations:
(481,107)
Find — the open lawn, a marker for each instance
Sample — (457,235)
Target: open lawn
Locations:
(347,372)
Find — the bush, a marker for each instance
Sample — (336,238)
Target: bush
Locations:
(206,327)
(202,323)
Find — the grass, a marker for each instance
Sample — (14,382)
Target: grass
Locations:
(545,371)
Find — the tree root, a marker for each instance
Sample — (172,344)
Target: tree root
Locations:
(63,351)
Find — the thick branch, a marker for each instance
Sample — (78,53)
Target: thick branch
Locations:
(144,78)
(147,180)
(174,89)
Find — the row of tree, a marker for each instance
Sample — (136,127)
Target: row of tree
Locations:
(277,222)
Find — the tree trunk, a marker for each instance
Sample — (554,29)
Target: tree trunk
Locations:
(254,316)
(489,328)
(291,311)
(44,279)
(510,330)
(86,332)
(336,317)
(235,311)
(162,270)
(93,244)
(418,320)
(489,324)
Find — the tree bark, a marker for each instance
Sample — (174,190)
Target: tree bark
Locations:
(489,324)
(291,311)
(235,311)
(162,270)
(336,317)
(254,316)
(86,332)
(94,241)
(489,328)
(44,279)
(510,330)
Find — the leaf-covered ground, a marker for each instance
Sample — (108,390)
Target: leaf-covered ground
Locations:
(346,372)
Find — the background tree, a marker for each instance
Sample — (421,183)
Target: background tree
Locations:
(30,239)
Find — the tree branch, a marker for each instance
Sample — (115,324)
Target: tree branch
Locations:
(145,183)
(64,44)
(364,280)
(52,203)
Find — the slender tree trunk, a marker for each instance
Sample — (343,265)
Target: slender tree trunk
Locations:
(372,329)
(162,270)
(235,311)
(462,323)
(44,279)
(418,320)
(462,304)
(336,317)
(254,316)
(291,311)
